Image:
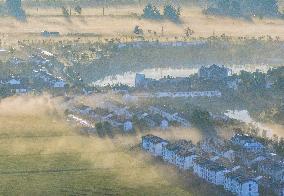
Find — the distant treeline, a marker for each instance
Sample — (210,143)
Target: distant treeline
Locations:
(244,8)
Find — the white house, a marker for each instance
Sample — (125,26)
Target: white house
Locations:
(184,159)
(171,150)
(209,170)
(14,82)
(218,147)
(247,142)
(59,84)
(127,126)
(153,144)
(164,124)
(240,185)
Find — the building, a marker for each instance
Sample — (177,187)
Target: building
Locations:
(59,84)
(184,159)
(153,144)
(171,150)
(170,117)
(218,147)
(164,124)
(273,169)
(241,185)
(49,34)
(140,81)
(127,126)
(247,142)
(249,159)
(209,170)
(214,72)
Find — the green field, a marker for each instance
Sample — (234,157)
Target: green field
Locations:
(42,155)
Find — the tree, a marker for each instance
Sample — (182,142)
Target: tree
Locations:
(137,30)
(65,11)
(151,12)
(14,8)
(188,32)
(78,9)
(172,13)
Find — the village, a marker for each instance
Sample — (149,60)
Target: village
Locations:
(241,165)
(246,164)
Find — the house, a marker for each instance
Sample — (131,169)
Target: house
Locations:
(185,158)
(153,144)
(241,185)
(19,89)
(214,72)
(140,80)
(49,33)
(249,158)
(59,84)
(164,124)
(127,126)
(209,170)
(170,117)
(218,147)
(171,150)
(273,169)
(247,142)
(14,81)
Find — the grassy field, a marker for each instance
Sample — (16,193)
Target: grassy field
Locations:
(120,21)
(42,155)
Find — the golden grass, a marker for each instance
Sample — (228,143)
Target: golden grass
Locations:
(120,20)
(41,154)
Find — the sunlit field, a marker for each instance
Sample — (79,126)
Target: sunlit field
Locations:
(42,154)
(121,20)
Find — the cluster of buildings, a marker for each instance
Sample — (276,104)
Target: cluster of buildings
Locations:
(224,162)
(125,118)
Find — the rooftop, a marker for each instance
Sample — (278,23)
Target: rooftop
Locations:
(154,139)
(239,177)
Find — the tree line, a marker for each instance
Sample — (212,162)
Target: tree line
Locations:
(170,12)
(244,8)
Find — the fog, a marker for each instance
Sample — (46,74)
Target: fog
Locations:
(35,125)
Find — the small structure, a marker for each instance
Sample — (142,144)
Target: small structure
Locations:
(59,84)
(164,124)
(140,81)
(49,33)
(127,126)
(14,81)
(240,184)
(247,143)
(153,144)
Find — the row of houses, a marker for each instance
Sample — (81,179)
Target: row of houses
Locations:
(215,161)
(170,117)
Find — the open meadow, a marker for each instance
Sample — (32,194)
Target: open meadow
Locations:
(119,21)
(43,155)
